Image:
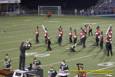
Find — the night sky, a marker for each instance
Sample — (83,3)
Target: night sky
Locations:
(66,4)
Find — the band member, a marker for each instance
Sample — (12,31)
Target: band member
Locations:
(110,32)
(7,61)
(60,35)
(25,45)
(60,28)
(90,33)
(46,35)
(75,36)
(97,34)
(49,44)
(83,38)
(101,40)
(86,28)
(52,72)
(37,34)
(81,72)
(109,45)
(70,35)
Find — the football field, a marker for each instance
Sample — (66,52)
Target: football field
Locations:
(14,30)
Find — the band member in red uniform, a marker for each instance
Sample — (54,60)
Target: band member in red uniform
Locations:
(37,34)
(60,35)
(101,40)
(109,41)
(70,35)
(83,37)
(108,45)
(110,32)
(86,28)
(75,36)
(81,71)
(97,34)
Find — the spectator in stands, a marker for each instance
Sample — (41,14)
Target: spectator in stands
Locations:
(75,11)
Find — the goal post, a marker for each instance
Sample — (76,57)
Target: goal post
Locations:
(55,10)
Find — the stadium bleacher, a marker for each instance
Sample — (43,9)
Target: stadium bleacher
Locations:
(104,7)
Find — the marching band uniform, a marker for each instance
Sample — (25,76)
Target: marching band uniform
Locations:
(86,28)
(60,35)
(46,37)
(109,42)
(75,37)
(97,35)
(83,38)
(49,44)
(70,37)
(110,32)
(101,40)
(109,45)
(37,35)
(90,31)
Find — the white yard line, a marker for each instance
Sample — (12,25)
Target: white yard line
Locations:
(68,60)
(106,67)
(8,49)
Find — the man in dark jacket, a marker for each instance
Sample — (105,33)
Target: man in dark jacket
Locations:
(25,45)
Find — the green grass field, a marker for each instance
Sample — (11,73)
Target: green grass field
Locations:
(13,30)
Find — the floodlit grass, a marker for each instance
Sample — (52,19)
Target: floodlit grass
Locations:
(13,30)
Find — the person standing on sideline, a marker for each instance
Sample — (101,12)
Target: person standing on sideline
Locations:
(7,61)
(64,69)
